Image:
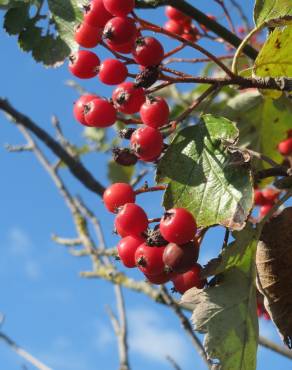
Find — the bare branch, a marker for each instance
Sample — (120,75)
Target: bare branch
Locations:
(23,353)
(186,325)
(75,167)
(173,362)
(281,350)
(67,242)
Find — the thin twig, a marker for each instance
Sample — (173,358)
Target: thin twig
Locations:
(75,167)
(281,350)
(186,325)
(23,353)
(173,363)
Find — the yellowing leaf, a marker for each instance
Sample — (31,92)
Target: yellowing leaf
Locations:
(272,12)
(275,57)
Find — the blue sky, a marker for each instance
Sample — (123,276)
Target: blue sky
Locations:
(49,309)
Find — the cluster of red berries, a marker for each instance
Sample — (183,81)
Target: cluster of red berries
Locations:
(265,199)
(285,146)
(108,22)
(167,252)
(180,24)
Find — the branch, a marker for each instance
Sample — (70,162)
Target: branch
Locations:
(281,350)
(201,18)
(22,353)
(75,167)
(173,363)
(186,325)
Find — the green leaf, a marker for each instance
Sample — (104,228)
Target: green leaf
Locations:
(16,18)
(66,16)
(262,122)
(51,51)
(117,173)
(30,37)
(203,177)
(272,12)
(226,312)
(275,57)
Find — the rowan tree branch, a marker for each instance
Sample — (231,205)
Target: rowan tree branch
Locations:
(201,18)
(75,167)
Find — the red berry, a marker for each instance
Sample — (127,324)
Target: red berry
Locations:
(178,226)
(174,27)
(175,14)
(120,30)
(189,279)
(181,258)
(131,220)
(128,98)
(260,309)
(264,210)
(119,8)
(118,195)
(84,64)
(79,106)
(241,30)
(87,35)
(149,259)
(162,278)
(96,14)
(147,143)
(127,248)
(112,72)
(148,51)
(100,113)
(155,112)
(271,195)
(285,147)
(289,133)
(123,48)
(191,33)
(259,199)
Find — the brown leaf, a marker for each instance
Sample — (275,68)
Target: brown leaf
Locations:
(274,265)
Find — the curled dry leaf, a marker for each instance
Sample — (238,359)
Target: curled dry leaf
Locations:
(274,265)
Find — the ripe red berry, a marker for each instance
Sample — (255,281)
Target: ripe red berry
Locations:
(128,98)
(119,8)
(175,14)
(148,51)
(259,199)
(271,195)
(87,35)
(178,226)
(112,72)
(79,106)
(96,14)
(149,259)
(131,220)
(118,195)
(147,143)
(174,27)
(285,147)
(189,279)
(84,64)
(127,248)
(155,112)
(120,30)
(265,209)
(181,258)
(123,48)
(100,113)
(191,33)
(162,278)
